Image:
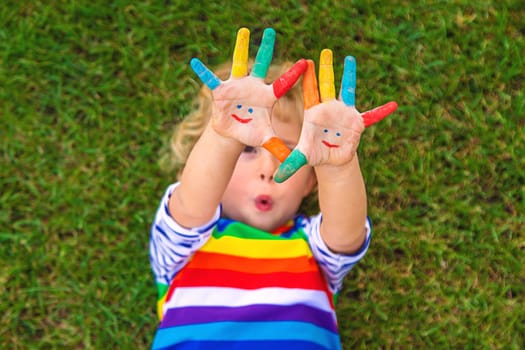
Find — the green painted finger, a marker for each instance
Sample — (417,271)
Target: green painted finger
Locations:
(265,54)
(294,162)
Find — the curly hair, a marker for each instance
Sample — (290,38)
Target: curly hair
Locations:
(186,132)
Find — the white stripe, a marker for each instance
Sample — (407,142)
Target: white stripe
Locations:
(334,266)
(172,245)
(235,297)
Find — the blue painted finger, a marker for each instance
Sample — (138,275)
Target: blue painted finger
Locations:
(348,84)
(265,54)
(291,164)
(204,74)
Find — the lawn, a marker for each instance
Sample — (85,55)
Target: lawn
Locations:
(90,92)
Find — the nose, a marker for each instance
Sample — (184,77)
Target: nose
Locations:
(267,166)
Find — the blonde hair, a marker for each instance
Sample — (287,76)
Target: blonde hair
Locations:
(288,108)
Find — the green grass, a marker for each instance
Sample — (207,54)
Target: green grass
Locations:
(90,92)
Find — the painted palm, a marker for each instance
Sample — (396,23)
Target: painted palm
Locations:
(332,127)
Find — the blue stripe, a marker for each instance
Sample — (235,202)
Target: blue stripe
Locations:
(251,345)
(166,249)
(167,210)
(247,331)
(208,227)
(161,230)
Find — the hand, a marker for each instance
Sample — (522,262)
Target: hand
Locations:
(332,128)
(243,103)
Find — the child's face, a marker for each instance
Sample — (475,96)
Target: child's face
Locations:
(253,197)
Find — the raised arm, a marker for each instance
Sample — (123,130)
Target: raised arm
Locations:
(240,116)
(329,139)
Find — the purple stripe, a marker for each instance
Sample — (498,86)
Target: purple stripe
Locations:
(298,312)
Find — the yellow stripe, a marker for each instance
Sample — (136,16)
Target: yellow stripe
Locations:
(160,306)
(326,76)
(240,54)
(258,248)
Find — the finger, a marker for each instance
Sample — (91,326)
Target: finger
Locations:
(349,82)
(294,162)
(379,113)
(326,76)
(310,90)
(204,74)
(288,79)
(277,147)
(240,54)
(265,54)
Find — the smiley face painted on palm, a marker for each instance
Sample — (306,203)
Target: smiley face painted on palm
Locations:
(242,104)
(330,138)
(243,114)
(332,127)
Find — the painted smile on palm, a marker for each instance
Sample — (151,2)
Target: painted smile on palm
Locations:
(240,119)
(329,144)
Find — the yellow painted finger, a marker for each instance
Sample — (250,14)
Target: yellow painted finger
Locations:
(240,54)
(326,76)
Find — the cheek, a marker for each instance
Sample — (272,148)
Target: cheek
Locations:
(238,179)
(234,184)
(301,182)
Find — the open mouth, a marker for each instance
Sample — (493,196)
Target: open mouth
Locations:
(329,145)
(263,202)
(241,120)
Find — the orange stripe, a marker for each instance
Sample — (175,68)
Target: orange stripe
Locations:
(205,260)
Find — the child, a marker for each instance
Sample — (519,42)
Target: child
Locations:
(243,268)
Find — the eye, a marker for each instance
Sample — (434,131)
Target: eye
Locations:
(239,106)
(250,110)
(325,131)
(249,149)
(338,133)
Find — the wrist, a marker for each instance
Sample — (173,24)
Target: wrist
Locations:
(221,142)
(340,170)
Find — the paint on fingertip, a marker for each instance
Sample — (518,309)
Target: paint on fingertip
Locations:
(290,166)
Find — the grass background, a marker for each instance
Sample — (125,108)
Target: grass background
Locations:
(90,91)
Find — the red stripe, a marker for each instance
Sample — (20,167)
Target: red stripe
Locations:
(233,279)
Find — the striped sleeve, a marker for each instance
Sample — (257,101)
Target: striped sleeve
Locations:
(334,266)
(172,245)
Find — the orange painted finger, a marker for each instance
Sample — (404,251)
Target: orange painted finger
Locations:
(310,89)
(240,54)
(326,76)
(277,147)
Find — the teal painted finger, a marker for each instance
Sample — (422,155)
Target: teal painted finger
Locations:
(204,74)
(294,162)
(348,83)
(265,54)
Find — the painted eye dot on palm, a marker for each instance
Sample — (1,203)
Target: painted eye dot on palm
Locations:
(237,114)
(329,135)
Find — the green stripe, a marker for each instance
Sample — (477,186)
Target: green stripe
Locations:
(240,230)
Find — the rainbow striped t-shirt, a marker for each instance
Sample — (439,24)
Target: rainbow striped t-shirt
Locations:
(237,287)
